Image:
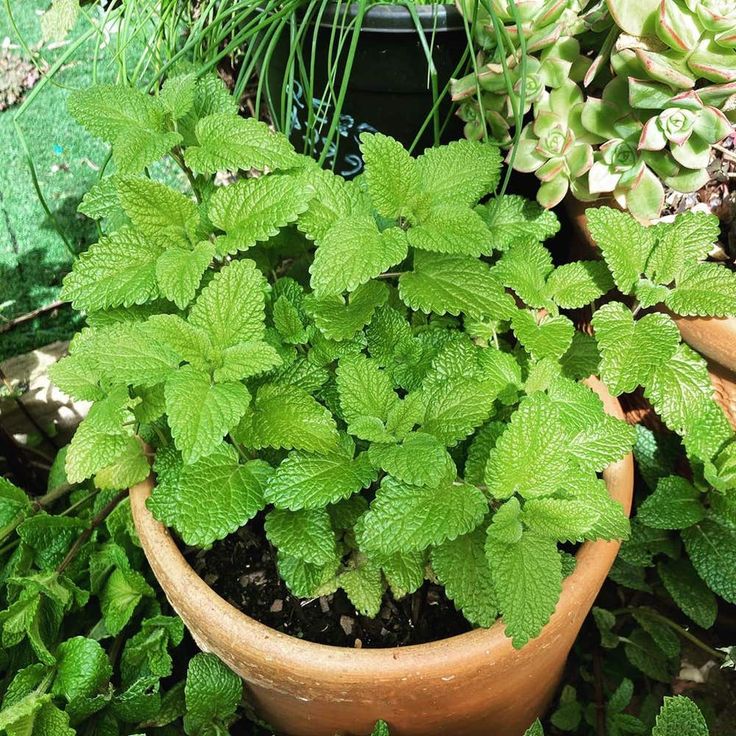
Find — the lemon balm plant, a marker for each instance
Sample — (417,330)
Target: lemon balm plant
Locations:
(382,369)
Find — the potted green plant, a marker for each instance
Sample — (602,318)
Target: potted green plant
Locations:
(382,373)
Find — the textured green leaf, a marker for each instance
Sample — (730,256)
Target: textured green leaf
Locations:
(246,359)
(404,518)
(227,142)
(707,291)
(82,668)
(451,229)
(78,376)
(49,538)
(14,506)
(674,504)
(210,96)
(551,337)
(253,210)
(338,319)
(212,693)
(527,578)
(333,200)
(680,716)
(179,272)
(462,567)
(231,307)
(420,460)
(306,534)
(381,729)
(483,442)
(120,270)
(392,176)
(200,413)
(404,572)
(121,595)
(582,359)
(455,284)
(632,350)
(514,220)
(525,268)
(126,470)
(212,497)
(353,252)
(305,579)
(577,284)
(712,550)
(688,591)
(561,519)
(364,587)
(625,244)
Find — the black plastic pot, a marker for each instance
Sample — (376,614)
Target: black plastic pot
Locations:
(389,88)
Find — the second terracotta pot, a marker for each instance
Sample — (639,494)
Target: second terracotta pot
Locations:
(475,684)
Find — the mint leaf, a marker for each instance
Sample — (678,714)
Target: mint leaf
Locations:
(120,597)
(333,200)
(420,460)
(227,142)
(688,591)
(454,284)
(404,572)
(525,268)
(177,94)
(364,586)
(712,550)
(561,519)
(483,442)
(119,270)
(212,694)
(625,244)
(708,290)
(514,220)
(352,252)
(527,578)
(231,307)
(179,272)
(462,567)
(550,337)
(451,229)
(253,210)
(339,319)
(679,715)
(582,358)
(307,481)
(403,518)
(201,413)
(577,284)
(212,497)
(14,506)
(632,350)
(305,579)
(391,174)
(246,359)
(82,668)
(306,534)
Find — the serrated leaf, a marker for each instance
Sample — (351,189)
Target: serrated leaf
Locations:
(227,142)
(514,220)
(525,268)
(210,96)
(253,210)
(305,579)
(391,175)
(483,442)
(528,458)
(201,413)
(632,350)
(177,94)
(461,172)
(126,470)
(179,272)
(708,290)
(308,481)
(560,519)
(231,307)
(420,460)
(455,284)
(353,252)
(625,244)
(674,504)
(551,337)
(404,518)
(404,572)
(78,376)
(101,200)
(119,270)
(333,200)
(306,534)
(212,693)
(246,359)
(364,586)
(338,319)
(688,591)
(527,578)
(212,497)
(462,567)
(577,284)
(679,715)
(121,595)
(451,229)
(82,668)
(712,550)
(582,358)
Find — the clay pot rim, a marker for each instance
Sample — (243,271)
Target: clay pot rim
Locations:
(190,592)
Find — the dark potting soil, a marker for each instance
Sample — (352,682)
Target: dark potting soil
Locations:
(242,569)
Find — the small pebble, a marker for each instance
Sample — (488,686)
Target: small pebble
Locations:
(324,604)
(358,644)
(277,606)
(347,623)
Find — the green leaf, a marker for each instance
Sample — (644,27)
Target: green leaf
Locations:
(451,229)
(288,320)
(212,693)
(392,176)
(227,142)
(14,506)
(21,715)
(421,460)
(338,319)
(527,578)
(120,270)
(403,518)
(210,96)
(306,534)
(529,457)
(679,716)
(305,579)
(675,504)
(514,220)
(49,538)
(177,94)
(688,591)
(146,653)
(461,172)
(551,337)
(231,307)
(462,567)
(126,470)
(253,210)
(404,572)
(121,595)
(212,497)
(364,587)
(380,729)
(201,413)
(525,268)
(82,668)
(577,284)
(78,375)
(712,550)
(287,416)
(632,350)
(561,519)
(179,272)
(483,442)
(535,729)
(333,200)
(582,359)
(625,244)
(307,481)
(353,252)
(454,284)
(709,290)
(246,359)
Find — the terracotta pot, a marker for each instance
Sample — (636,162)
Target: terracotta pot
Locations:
(714,338)
(475,684)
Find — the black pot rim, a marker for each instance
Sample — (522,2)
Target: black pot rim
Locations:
(396,18)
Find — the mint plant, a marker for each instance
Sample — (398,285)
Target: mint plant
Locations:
(381,368)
